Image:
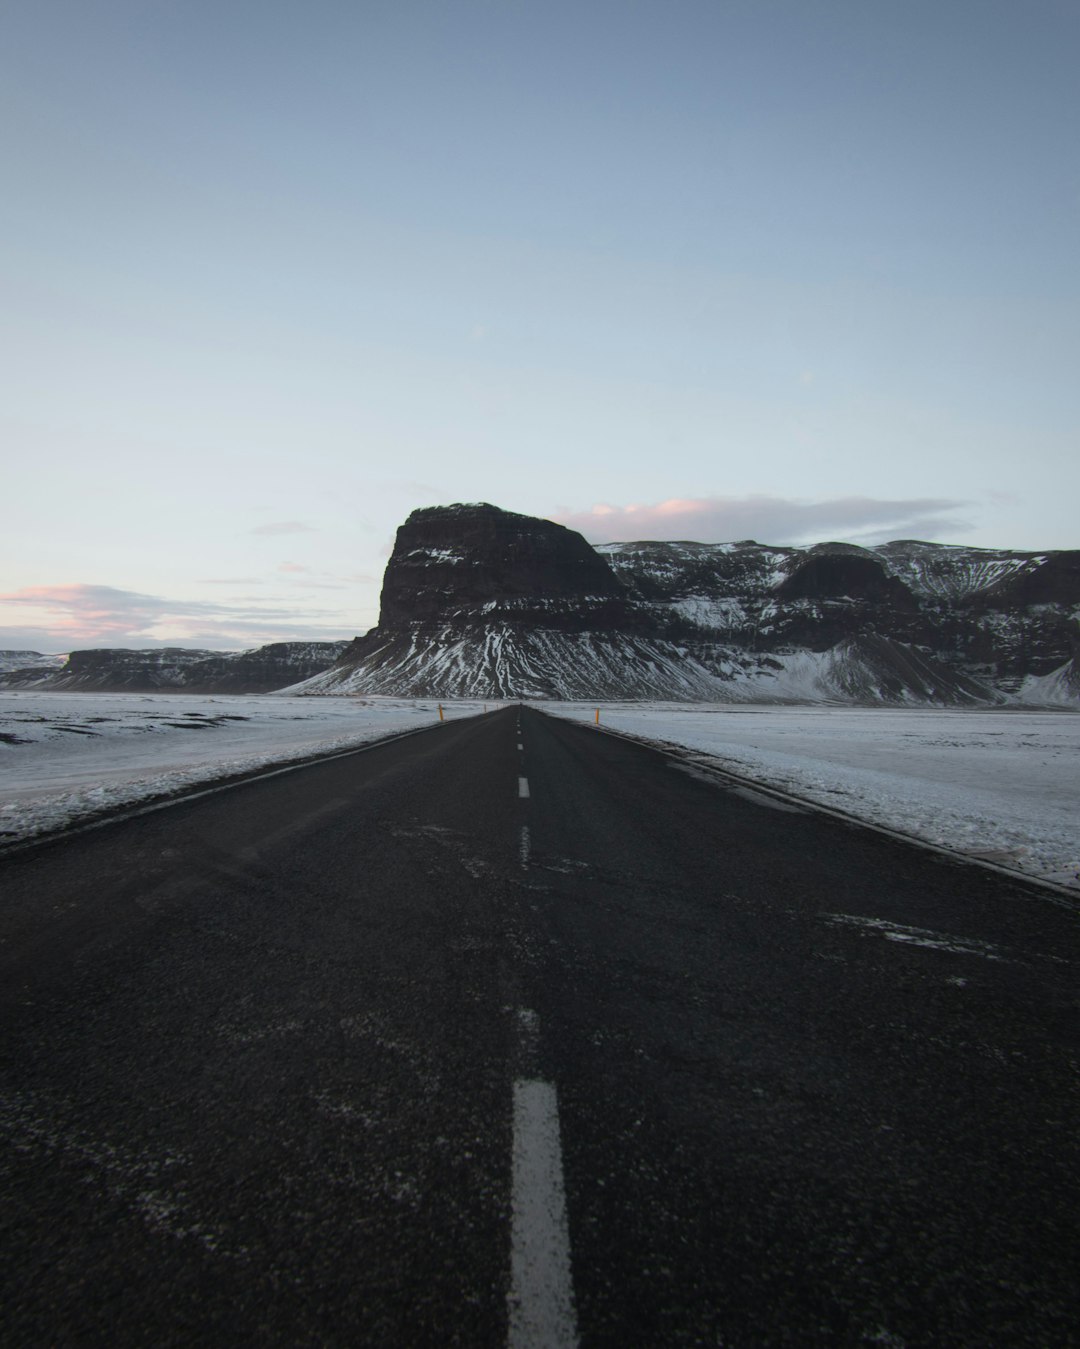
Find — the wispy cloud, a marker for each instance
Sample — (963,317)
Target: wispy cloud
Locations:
(772,519)
(283,527)
(92,615)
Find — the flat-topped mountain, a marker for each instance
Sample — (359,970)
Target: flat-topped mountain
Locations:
(480,602)
(479,559)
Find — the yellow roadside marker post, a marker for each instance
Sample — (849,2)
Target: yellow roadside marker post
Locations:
(440,712)
(598,716)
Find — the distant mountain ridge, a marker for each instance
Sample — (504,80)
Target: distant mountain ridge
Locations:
(480,602)
(29,660)
(181,669)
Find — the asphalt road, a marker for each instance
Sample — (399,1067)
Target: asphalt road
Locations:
(496,1036)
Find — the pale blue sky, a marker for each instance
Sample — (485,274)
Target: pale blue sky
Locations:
(275,274)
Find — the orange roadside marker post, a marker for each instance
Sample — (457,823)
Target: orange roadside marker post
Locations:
(598,716)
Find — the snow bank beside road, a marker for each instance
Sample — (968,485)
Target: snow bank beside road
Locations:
(64,756)
(1000,783)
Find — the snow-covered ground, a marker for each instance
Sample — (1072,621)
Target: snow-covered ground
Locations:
(1004,784)
(67,755)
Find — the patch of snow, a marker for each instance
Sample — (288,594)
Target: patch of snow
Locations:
(709,612)
(1060,688)
(919,936)
(425,555)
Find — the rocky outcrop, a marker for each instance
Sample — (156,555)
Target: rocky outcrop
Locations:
(181,670)
(483,603)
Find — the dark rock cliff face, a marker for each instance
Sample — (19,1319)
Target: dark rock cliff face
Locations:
(182,670)
(476,558)
(474,575)
(479,602)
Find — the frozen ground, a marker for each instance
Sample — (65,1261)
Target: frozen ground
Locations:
(67,755)
(1002,784)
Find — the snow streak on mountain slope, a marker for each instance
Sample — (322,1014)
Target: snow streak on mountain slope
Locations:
(1061,688)
(503,661)
(507,662)
(951,572)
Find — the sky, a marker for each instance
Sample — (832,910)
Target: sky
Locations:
(276,274)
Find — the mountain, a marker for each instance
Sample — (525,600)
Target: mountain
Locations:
(28,660)
(480,602)
(178,669)
(483,603)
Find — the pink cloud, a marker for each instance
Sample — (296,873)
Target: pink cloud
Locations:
(91,615)
(85,612)
(770,519)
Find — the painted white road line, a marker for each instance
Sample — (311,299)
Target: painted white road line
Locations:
(520,745)
(523,848)
(523,786)
(541,1298)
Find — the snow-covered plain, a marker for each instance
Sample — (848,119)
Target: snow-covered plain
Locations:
(1002,784)
(65,756)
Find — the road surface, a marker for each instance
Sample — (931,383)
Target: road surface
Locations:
(514,1032)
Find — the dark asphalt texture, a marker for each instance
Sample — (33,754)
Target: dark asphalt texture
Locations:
(816,1086)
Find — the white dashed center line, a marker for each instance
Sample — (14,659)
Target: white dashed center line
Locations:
(541,1287)
(541,1297)
(525,845)
(523,786)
